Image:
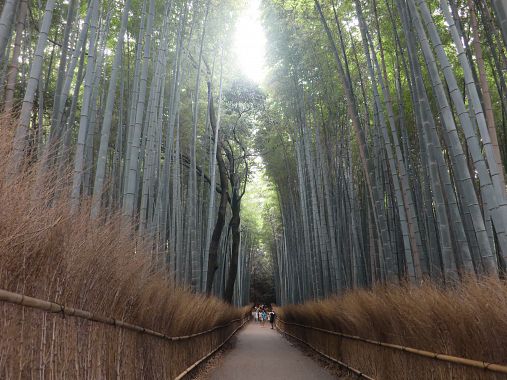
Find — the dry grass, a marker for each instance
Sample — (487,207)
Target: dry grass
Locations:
(98,266)
(468,321)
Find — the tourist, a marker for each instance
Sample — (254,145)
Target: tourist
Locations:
(264,317)
(272,317)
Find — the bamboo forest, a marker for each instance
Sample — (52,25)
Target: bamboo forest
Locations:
(228,189)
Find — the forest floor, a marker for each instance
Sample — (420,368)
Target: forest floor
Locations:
(259,352)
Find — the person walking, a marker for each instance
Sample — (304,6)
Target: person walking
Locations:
(272,317)
(264,317)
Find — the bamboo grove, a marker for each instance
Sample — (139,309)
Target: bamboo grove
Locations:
(131,106)
(383,133)
(387,136)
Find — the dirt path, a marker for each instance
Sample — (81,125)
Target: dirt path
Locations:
(260,352)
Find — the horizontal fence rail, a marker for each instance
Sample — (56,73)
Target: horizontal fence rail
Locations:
(52,307)
(216,341)
(482,365)
(340,363)
(193,366)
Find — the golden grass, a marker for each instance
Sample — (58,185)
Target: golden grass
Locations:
(468,321)
(96,265)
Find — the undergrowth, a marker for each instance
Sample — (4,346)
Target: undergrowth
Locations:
(98,265)
(469,320)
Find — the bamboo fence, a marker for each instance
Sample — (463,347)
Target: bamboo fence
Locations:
(91,346)
(383,360)
(355,371)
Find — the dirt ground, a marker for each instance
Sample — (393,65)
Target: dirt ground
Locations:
(260,351)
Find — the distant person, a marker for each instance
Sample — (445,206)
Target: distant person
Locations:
(272,317)
(264,317)
(254,314)
(257,315)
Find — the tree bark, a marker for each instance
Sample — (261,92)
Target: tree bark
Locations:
(222,208)
(236,240)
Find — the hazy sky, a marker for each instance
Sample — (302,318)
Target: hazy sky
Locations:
(249,43)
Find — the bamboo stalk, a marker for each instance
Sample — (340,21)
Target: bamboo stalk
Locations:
(428,354)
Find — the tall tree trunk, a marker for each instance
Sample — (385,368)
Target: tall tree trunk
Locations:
(493,191)
(21,137)
(57,121)
(6,17)
(108,115)
(62,67)
(235,223)
(12,71)
(410,246)
(213,163)
(131,175)
(486,96)
(500,9)
(79,158)
(351,106)
(196,271)
(455,148)
(224,195)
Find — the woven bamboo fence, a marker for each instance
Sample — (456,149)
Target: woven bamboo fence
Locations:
(385,361)
(45,340)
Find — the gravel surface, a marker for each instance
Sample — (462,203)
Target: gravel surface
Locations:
(259,352)
(202,372)
(338,371)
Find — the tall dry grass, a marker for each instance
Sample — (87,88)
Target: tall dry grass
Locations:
(95,265)
(468,321)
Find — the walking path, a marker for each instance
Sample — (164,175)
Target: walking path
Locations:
(260,352)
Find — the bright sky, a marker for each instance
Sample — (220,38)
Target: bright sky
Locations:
(249,43)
